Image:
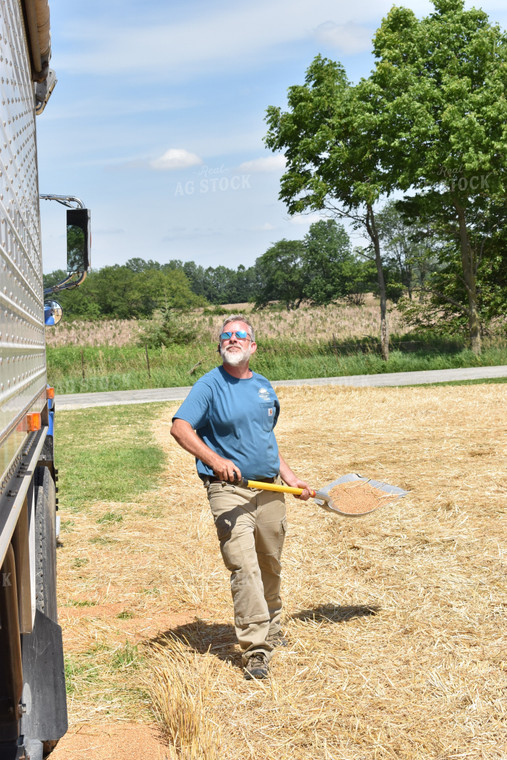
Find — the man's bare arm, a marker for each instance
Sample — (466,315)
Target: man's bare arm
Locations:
(188,439)
(289,477)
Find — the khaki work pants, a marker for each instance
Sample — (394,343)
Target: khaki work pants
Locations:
(251,528)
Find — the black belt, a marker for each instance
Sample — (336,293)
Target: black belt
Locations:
(207,479)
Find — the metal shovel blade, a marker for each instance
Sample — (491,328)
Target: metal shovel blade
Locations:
(324,499)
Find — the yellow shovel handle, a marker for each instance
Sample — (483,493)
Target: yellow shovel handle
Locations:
(274,487)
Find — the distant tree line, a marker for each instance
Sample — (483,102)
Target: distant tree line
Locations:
(319,269)
(323,267)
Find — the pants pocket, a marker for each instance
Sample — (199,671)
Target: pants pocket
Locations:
(223,525)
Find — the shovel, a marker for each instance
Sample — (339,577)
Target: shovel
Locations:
(371,495)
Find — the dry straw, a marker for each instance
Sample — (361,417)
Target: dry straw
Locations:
(394,620)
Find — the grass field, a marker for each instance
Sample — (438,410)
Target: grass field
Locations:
(309,342)
(394,620)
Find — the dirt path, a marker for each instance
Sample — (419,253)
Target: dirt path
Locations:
(111,741)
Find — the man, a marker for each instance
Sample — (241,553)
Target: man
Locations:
(227,423)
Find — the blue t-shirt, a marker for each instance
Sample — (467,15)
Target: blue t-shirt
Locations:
(235,418)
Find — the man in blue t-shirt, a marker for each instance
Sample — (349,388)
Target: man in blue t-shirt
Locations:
(227,422)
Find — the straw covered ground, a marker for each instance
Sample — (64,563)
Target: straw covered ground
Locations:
(394,620)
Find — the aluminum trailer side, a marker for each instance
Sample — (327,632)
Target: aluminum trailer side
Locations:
(32,687)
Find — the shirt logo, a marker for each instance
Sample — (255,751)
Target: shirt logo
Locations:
(264,394)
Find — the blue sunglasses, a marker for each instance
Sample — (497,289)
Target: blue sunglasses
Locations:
(240,335)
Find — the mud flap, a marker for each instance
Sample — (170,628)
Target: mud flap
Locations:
(44,702)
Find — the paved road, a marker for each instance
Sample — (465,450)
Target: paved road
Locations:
(82,400)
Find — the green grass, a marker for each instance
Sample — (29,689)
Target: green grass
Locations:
(125,615)
(110,517)
(97,665)
(79,672)
(126,657)
(482,381)
(109,368)
(106,454)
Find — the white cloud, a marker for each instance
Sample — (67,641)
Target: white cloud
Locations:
(269,164)
(306,219)
(348,38)
(176,158)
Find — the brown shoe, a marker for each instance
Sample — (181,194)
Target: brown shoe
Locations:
(257,666)
(277,639)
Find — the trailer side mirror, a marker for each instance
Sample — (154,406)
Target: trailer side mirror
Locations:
(78,240)
(52,313)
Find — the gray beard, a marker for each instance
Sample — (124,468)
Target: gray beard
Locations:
(234,358)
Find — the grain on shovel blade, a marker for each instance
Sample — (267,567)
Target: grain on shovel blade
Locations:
(358,497)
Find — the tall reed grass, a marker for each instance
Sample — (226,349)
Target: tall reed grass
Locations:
(311,324)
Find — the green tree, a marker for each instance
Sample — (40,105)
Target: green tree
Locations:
(319,269)
(364,278)
(126,292)
(119,293)
(219,284)
(330,138)
(445,305)
(77,303)
(281,273)
(171,290)
(328,262)
(140,265)
(245,285)
(410,248)
(439,86)
(196,277)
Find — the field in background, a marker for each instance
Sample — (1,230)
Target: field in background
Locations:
(394,621)
(309,342)
(311,324)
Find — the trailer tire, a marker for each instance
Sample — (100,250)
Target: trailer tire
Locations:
(45,543)
(48,747)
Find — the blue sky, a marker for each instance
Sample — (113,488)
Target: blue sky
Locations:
(157,119)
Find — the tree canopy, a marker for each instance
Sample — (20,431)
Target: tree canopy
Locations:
(431,120)
(329,136)
(318,269)
(131,291)
(440,88)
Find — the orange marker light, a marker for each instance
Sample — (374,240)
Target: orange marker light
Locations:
(50,392)
(33,421)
